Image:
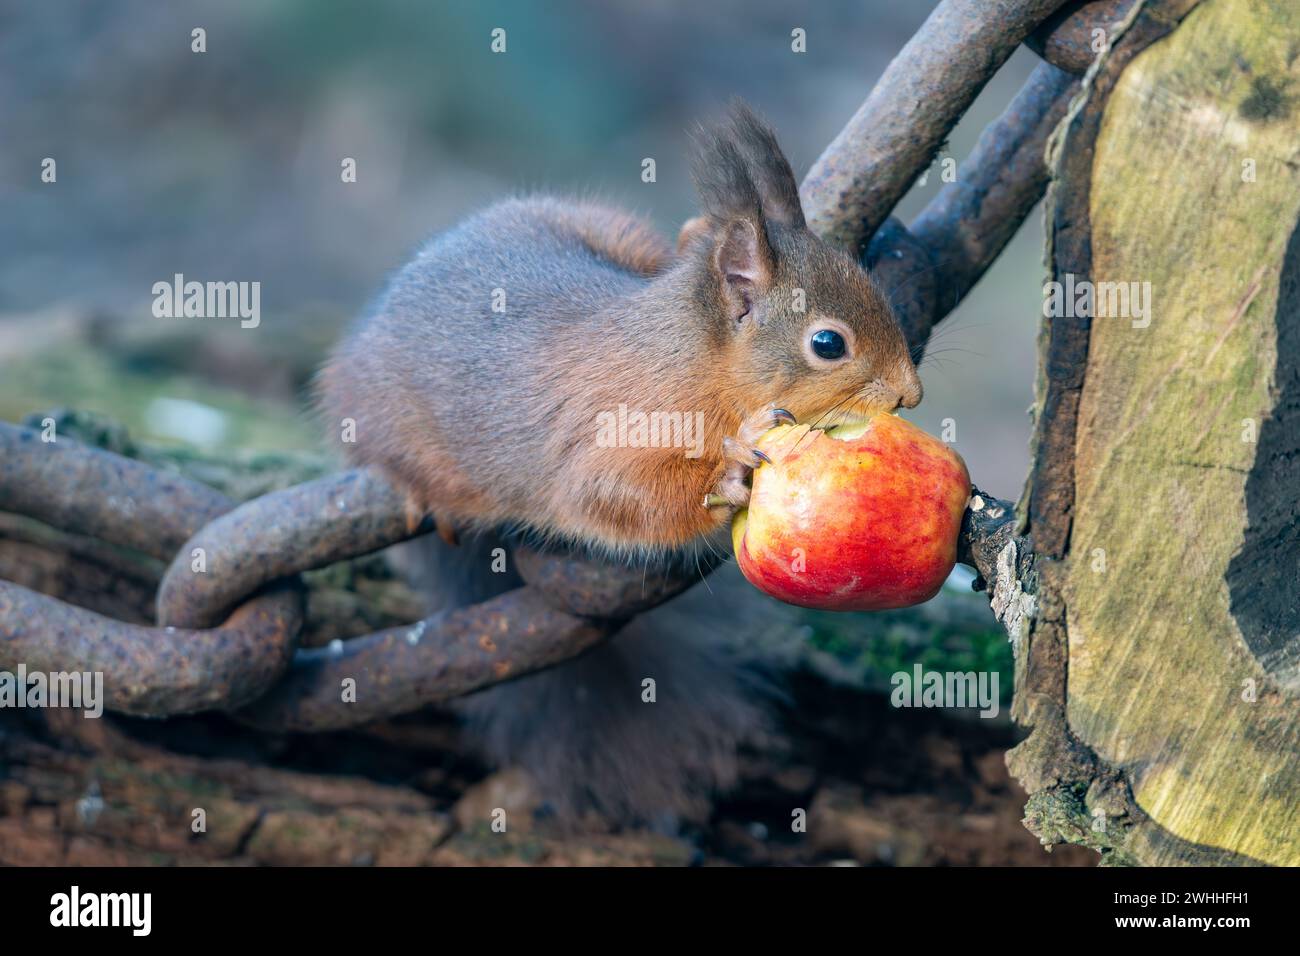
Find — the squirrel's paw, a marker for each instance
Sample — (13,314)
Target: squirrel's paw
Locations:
(740,457)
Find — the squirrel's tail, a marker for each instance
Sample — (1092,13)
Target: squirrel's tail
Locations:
(644,729)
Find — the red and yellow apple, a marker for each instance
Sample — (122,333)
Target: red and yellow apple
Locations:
(861,517)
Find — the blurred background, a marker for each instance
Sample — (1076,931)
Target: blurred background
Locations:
(225,166)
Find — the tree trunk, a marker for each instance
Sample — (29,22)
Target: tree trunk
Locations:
(1162,671)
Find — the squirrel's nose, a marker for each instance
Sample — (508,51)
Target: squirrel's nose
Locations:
(911,396)
(889,397)
(909,389)
(901,394)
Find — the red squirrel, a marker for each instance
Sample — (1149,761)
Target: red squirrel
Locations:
(480,380)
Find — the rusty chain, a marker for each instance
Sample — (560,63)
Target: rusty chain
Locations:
(904,122)
(148,671)
(230,606)
(247,664)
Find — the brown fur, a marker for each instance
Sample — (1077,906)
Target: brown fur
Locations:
(490,417)
(618,236)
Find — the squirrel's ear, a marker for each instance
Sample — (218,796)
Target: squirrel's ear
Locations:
(768,168)
(743,260)
(721,173)
(740,171)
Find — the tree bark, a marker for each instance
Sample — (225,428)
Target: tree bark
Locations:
(1162,669)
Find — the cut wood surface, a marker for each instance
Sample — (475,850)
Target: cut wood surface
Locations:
(1179,580)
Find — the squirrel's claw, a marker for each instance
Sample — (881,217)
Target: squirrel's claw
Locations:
(753,427)
(741,457)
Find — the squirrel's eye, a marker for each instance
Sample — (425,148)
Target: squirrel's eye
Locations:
(827,344)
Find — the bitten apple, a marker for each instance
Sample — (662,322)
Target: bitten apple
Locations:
(857,518)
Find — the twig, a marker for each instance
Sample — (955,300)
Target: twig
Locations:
(1004,560)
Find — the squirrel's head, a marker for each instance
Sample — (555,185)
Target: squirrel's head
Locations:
(805,325)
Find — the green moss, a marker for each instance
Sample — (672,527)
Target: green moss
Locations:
(872,647)
(1060,815)
(81,376)
(1268,100)
(240,474)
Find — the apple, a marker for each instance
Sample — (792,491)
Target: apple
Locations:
(860,517)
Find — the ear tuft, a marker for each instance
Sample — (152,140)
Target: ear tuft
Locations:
(727,191)
(745,183)
(768,168)
(739,170)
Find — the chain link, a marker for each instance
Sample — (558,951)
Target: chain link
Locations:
(148,671)
(248,558)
